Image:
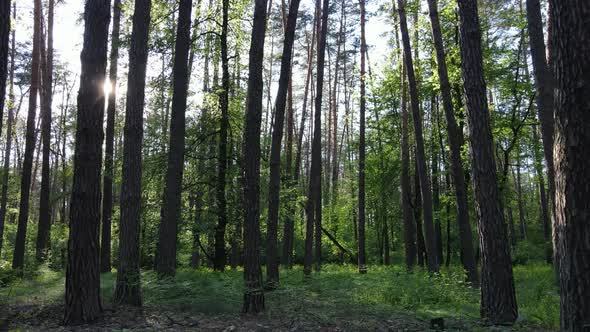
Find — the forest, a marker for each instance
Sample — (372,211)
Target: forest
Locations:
(294,165)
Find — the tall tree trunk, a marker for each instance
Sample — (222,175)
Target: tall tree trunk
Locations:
(4,50)
(253,293)
(23,215)
(170,213)
(82,299)
(274,186)
(288,232)
(435,177)
(220,254)
(128,289)
(498,301)
(107,191)
(362,260)
(545,214)
(521,216)
(406,191)
(314,205)
(455,142)
(570,41)
(9,125)
(44,228)
(420,155)
(420,243)
(335,103)
(544,84)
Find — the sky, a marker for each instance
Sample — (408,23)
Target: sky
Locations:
(69,29)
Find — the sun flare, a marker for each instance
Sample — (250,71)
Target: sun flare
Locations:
(107,87)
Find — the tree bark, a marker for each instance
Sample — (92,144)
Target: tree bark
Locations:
(44,228)
(498,301)
(545,214)
(313,206)
(23,215)
(107,191)
(253,294)
(435,178)
(128,288)
(5,171)
(82,298)
(455,142)
(544,84)
(362,260)
(570,40)
(420,243)
(170,213)
(274,186)
(220,254)
(420,155)
(4,50)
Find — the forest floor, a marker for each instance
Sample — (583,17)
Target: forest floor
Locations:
(337,299)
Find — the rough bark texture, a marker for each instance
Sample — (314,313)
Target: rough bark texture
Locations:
(545,214)
(82,298)
(455,142)
(362,259)
(170,213)
(107,191)
(498,301)
(44,228)
(27,166)
(220,254)
(253,293)
(420,155)
(274,185)
(544,84)
(128,289)
(6,18)
(570,45)
(4,50)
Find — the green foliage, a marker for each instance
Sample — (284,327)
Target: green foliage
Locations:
(337,292)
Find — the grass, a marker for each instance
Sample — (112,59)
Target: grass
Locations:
(337,293)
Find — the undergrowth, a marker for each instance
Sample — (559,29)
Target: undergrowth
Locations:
(337,292)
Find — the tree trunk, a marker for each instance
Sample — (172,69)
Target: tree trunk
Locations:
(362,260)
(128,289)
(545,214)
(220,254)
(420,243)
(253,294)
(435,178)
(420,155)
(521,216)
(498,301)
(314,203)
(544,84)
(23,215)
(44,228)
(570,40)
(288,232)
(455,142)
(107,191)
(82,298)
(170,213)
(274,186)
(4,50)
(5,171)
